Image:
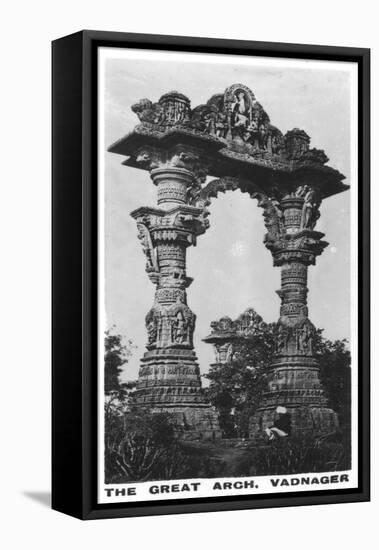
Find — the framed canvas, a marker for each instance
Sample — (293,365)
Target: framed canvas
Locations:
(210,275)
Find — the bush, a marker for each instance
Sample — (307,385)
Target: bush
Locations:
(136,443)
(297,455)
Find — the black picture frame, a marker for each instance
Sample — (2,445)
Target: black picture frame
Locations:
(74,271)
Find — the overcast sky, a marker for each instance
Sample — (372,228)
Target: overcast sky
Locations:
(232,269)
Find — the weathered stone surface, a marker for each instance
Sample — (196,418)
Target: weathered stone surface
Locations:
(227,334)
(191,423)
(293,377)
(235,136)
(169,376)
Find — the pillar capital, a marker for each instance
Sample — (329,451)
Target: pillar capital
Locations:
(290,223)
(173,156)
(173,184)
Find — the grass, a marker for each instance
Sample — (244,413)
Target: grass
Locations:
(239,458)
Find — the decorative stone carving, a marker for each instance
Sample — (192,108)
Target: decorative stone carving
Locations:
(294,373)
(249,324)
(172,108)
(294,220)
(182,323)
(175,107)
(295,338)
(314,156)
(233,123)
(227,333)
(147,111)
(305,334)
(169,377)
(154,325)
(273,217)
(149,157)
(148,248)
(296,143)
(310,212)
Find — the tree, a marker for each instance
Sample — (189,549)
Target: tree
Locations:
(117,354)
(137,444)
(236,387)
(117,394)
(335,374)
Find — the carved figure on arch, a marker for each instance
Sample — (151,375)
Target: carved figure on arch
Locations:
(282,338)
(262,136)
(305,339)
(147,111)
(272,214)
(310,213)
(154,321)
(241,113)
(276,140)
(147,247)
(221,125)
(178,327)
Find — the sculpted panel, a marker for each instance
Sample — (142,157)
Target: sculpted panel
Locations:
(235,118)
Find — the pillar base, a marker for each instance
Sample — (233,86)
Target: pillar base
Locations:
(169,378)
(193,423)
(169,381)
(304,420)
(294,383)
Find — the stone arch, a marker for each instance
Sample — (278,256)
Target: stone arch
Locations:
(229,136)
(272,213)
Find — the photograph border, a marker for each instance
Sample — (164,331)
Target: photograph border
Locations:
(75,264)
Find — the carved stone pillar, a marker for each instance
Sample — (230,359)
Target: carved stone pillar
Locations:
(169,376)
(293,377)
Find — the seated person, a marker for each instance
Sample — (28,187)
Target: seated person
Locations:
(281,426)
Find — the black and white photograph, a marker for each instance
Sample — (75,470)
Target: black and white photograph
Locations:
(227,275)
(189,299)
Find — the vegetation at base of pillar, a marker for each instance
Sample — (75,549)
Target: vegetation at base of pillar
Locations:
(141,445)
(236,387)
(295,455)
(117,354)
(335,373)
(137,442)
